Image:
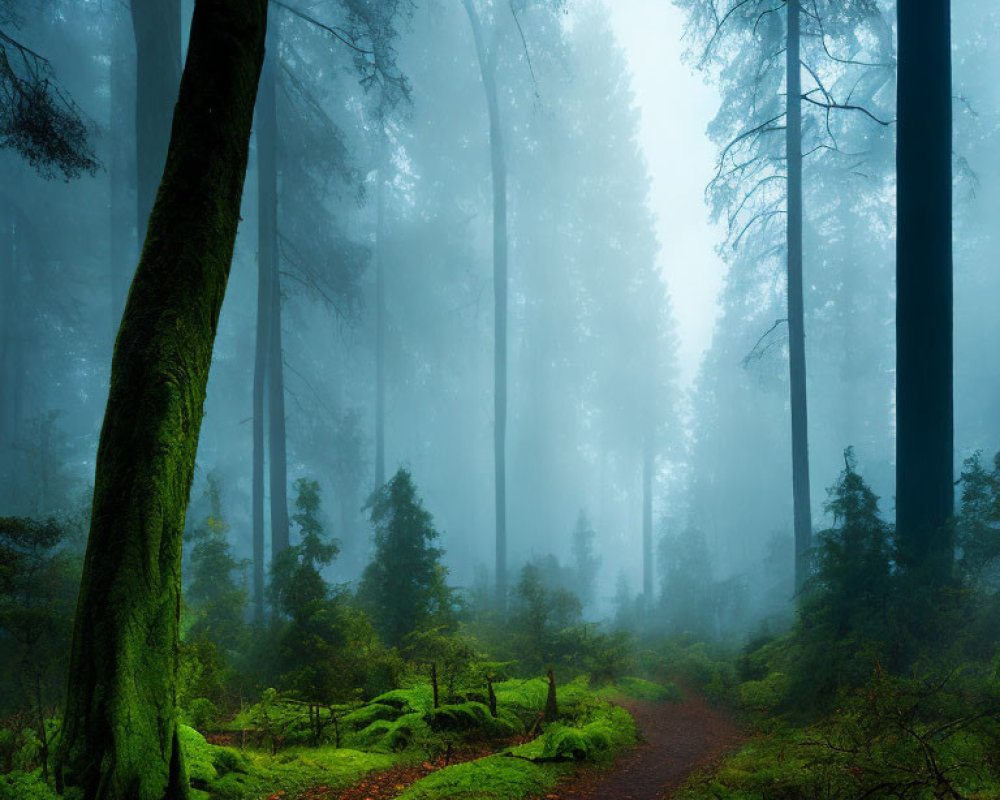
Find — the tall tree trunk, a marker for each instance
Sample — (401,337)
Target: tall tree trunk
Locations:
(277,441)
(122,256)
(8,344)
(487,68)
(380,314)
(119,739)
(647,521)
(266,245)
(267,209)
(157,27)
(802,513)
(924,410)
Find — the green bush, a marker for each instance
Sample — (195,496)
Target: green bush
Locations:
(911,739)
(26,786)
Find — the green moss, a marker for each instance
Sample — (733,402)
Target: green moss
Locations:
(493,778)
(609,732)
(366,715)
(26,786)
(417,698)
(393,735)
(198,754)
(230,774)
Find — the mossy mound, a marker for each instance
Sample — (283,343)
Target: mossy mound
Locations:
(228,774)
(391,736)
(597,740)
(493,778)
(417,698)
(373,712)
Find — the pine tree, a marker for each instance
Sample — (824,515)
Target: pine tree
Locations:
(404,588)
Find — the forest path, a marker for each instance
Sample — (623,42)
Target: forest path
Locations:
(677,740)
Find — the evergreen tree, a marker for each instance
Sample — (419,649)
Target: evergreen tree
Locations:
(296,582)
(404,588)
(845,614)
(539,613)
(213,588)
(38,580)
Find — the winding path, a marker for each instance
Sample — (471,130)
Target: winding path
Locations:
(678,739)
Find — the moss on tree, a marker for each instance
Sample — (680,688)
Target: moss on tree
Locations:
(120,738)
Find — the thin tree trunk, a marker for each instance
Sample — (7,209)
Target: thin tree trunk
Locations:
(924,326)
(7,345)
(380,315)
(487,68)
(265,113)
(647,522)
(157,28)
(802,513)
(119,739)
(267,209)
(277,441)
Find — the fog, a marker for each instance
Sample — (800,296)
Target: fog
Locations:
(642,327)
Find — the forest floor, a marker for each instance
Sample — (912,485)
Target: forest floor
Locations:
(678,739)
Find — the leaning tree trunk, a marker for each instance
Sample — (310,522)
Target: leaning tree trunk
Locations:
(802,511)
(924,423)
(157,27)
(120,739)
(487,68)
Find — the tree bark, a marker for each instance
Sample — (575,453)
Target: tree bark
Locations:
(119,739)
(924,324)
(157,27)
(487,68)
(802,510)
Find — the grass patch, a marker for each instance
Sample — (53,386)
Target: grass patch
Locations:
(493,778)
(229,774)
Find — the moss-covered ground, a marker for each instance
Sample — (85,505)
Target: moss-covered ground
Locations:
(524,755)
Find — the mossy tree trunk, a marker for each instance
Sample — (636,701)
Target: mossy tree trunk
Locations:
(120,740)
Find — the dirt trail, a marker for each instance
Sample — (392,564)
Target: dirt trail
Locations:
(679,739)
